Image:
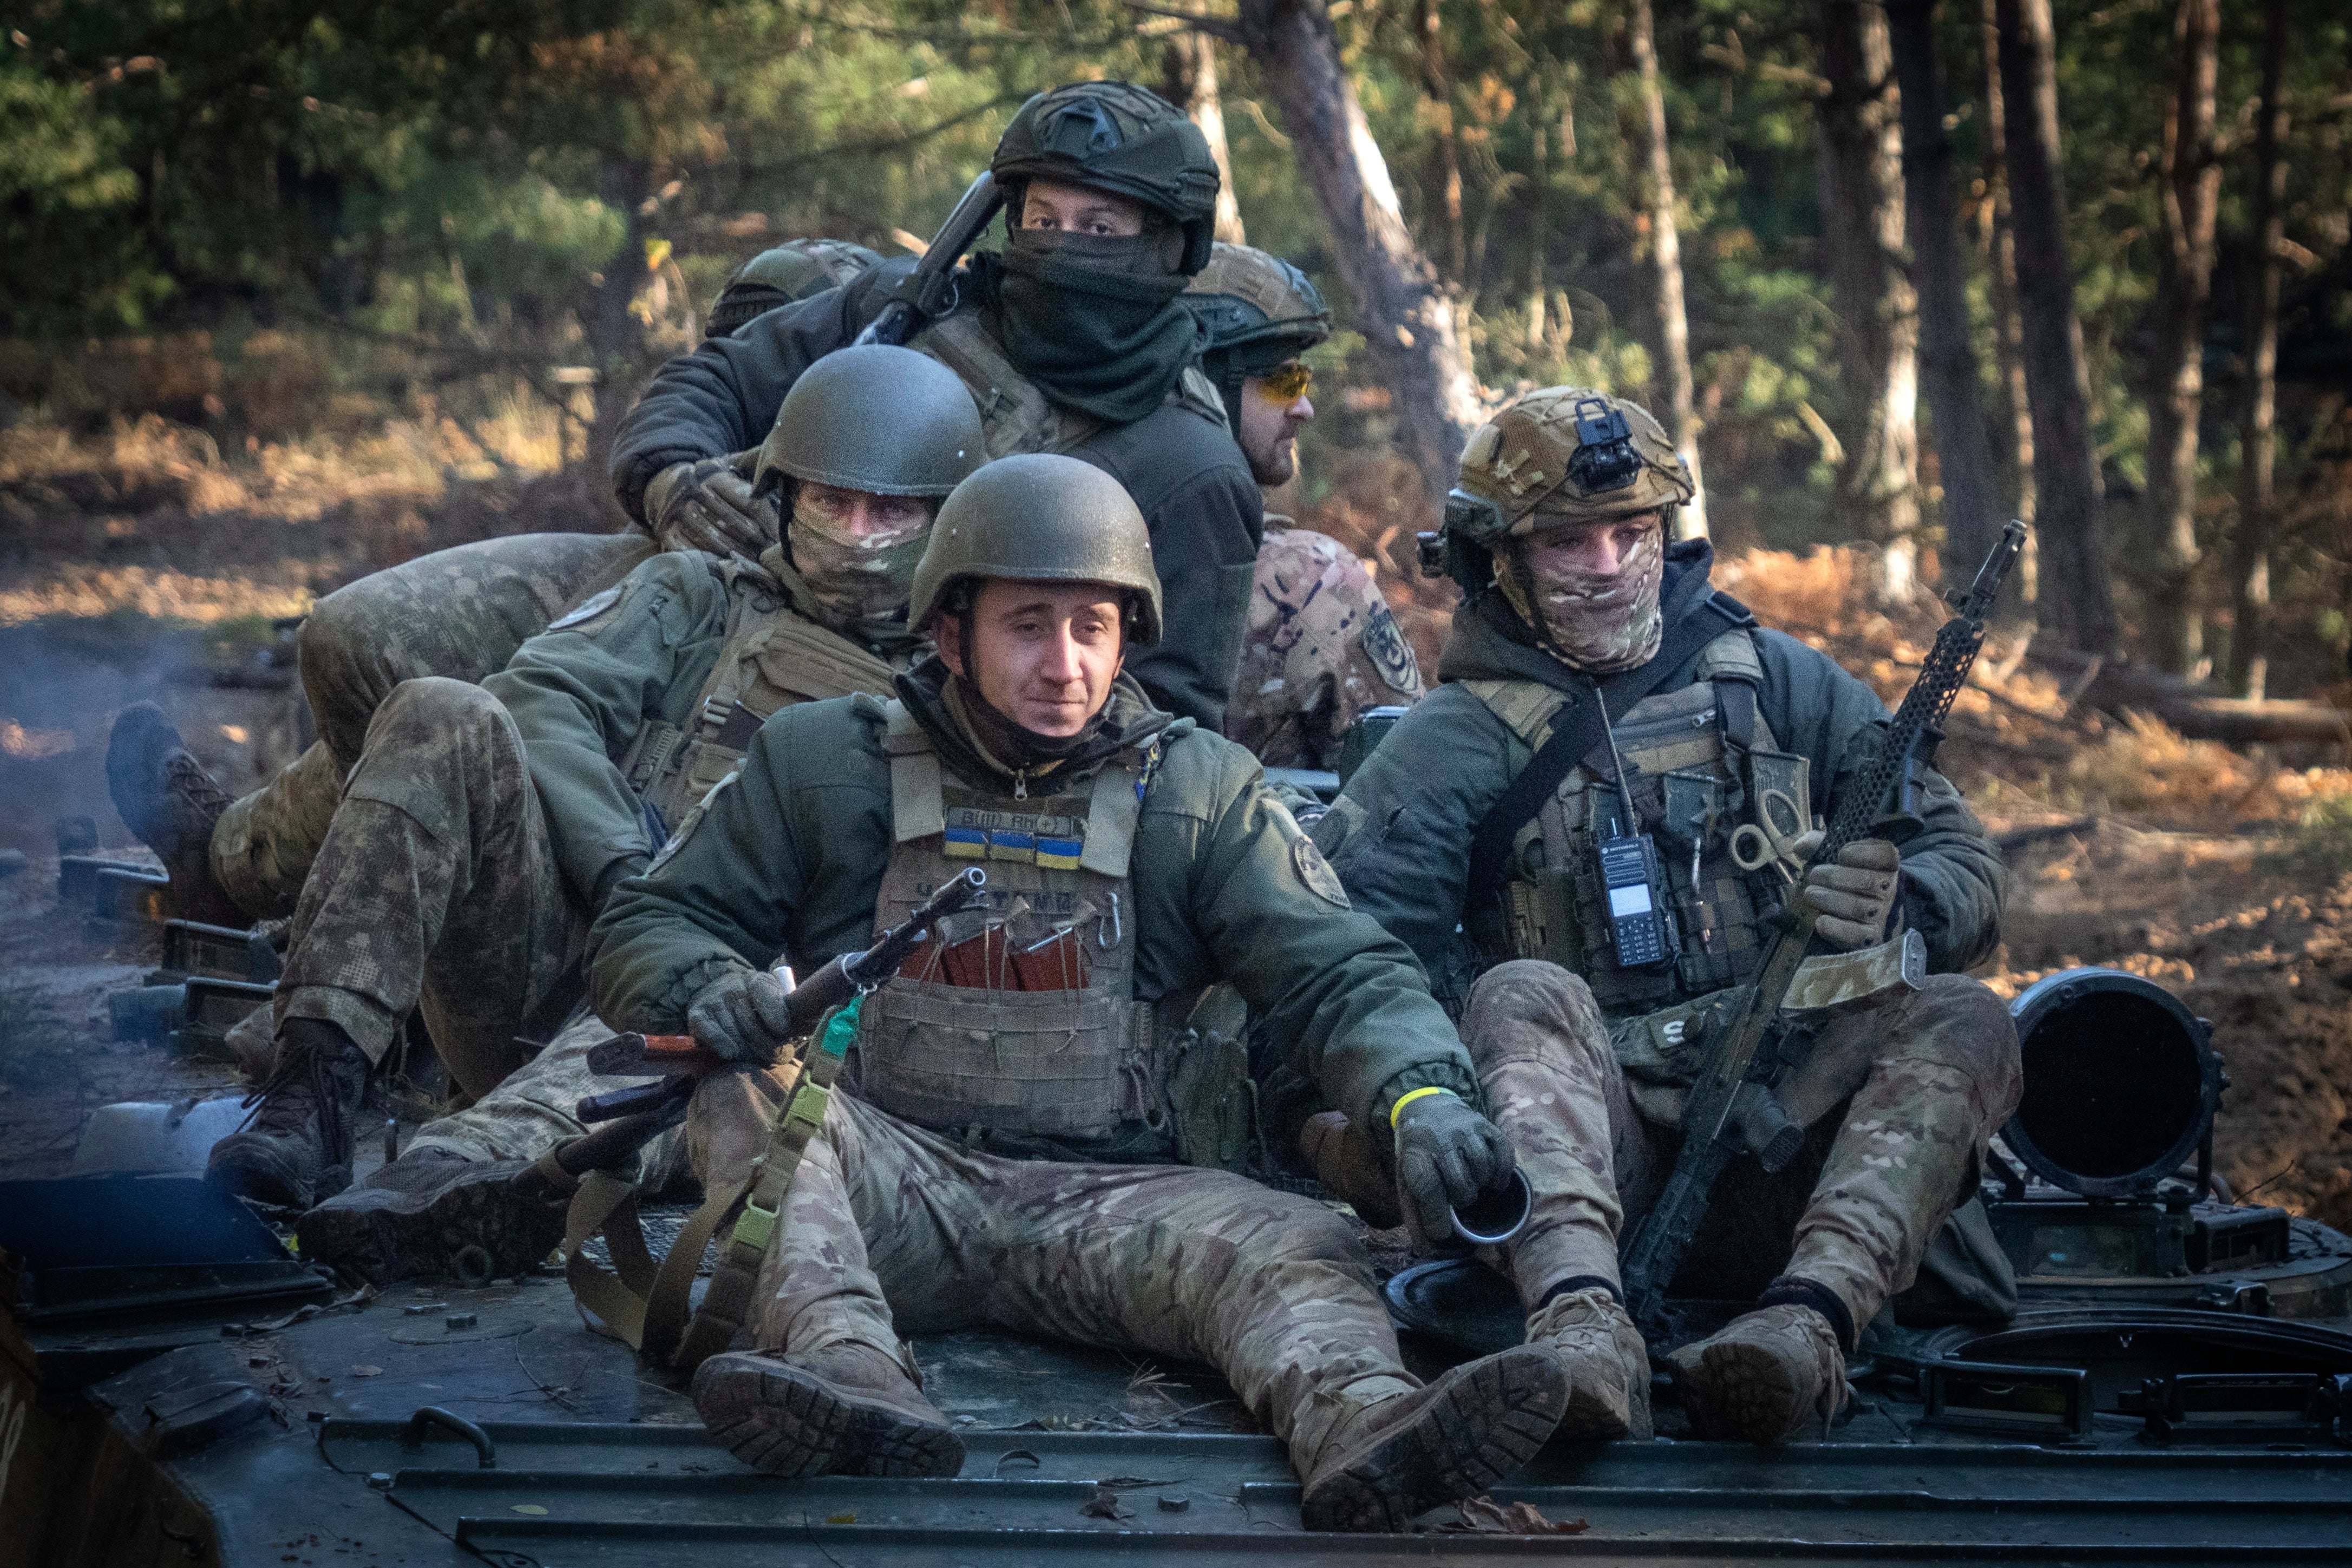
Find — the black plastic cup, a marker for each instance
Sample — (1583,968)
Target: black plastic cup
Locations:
(1496,1216)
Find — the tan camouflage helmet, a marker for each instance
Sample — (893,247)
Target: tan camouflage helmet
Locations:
(1246,299)
(1040,517)
(1561,456)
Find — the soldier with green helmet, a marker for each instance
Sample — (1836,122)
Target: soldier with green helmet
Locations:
(1592,989)
(1320,645)
(484,825)
(1074,339)
(1024,1132)
(782,275)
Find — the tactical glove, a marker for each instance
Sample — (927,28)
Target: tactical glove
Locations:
(1854,892)
(1446,1154)
(707,505)
(741,1017)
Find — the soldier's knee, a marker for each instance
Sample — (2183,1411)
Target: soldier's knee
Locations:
(1961,1024)
(433,711)
(1517,1005)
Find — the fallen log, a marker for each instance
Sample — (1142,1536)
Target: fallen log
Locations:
(2118,688)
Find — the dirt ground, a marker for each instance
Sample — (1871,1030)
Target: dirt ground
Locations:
(145,569)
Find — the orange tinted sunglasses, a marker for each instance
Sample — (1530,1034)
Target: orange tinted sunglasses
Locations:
(1285,385)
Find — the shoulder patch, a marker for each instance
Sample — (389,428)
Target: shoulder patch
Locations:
(1317,873)
(586,610)
(693,819)
(1391,655)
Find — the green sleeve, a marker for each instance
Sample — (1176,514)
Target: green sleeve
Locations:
(784,856)
(1229,889)
(580,694)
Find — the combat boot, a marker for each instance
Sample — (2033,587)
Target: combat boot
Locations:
(1608,1365)
(1395,1459)
(163,794)
(296,1147)
(846,1409)
(1763,1376)
(431,1212)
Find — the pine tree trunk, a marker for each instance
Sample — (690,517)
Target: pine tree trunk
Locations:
(2191,190)
(1189,80)
(1947,358)
(2076,602)
(1401,307)
(1666,251)
(616,338)
(1878,336)
(1437,82)
(2015,414)
(2250,554)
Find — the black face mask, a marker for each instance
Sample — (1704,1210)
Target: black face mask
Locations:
(1093,319)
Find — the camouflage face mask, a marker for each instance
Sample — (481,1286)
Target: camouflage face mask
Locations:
(852,576)
(1602,622)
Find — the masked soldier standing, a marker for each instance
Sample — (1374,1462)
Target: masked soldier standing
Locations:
(1073,339)
(483,826)
(1320,645)
(1558,535)
(1004,1152)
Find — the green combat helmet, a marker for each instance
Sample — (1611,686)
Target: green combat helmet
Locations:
(1559,455)
(887,420)
(1116,137)
(1256,311)
(1040,517)
(786,275)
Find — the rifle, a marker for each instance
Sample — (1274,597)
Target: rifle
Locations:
(684,1061)
(1731,1109)
(923,294)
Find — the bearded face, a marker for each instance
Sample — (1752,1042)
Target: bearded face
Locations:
(855,550)
(1591,590)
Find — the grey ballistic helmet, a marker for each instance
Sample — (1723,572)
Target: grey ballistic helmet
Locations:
(884,420)
(1040,517)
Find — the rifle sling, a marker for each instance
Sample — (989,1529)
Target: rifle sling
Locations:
(1579,727)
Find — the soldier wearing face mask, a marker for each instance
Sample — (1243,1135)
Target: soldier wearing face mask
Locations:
(483,826)
(1623,905)
(1074,339)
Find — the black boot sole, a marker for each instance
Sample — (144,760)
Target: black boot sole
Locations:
(1477,1423)
(783,1421)
(487,1223)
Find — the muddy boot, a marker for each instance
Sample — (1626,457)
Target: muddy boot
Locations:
(844,1410)
(163,795)
(1608,1365)
(1764,1376)
(431,1212)
(296,1149)
(1455,1438)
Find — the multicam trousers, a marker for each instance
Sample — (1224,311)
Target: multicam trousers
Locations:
(892,1228)
(459,614)
(1900,1102)
(1319,648)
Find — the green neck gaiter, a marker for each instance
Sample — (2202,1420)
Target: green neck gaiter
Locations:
(1093,319)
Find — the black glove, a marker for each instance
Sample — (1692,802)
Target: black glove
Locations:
(741,1017)
(707,505)
(1446,1154)
(1854,893)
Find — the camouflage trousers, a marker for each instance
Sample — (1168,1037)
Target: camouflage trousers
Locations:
(1899,1101)
(459,614)
(891,1228)
(1319,648)
(530,1111)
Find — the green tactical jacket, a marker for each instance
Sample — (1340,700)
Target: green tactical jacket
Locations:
(788,860)
(1400,838)
(584,690)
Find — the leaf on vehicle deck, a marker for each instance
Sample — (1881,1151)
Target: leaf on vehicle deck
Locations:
(1485,1516)
(1105,1504)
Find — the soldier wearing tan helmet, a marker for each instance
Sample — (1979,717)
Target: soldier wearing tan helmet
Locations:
(1321,646)
(483,826)
(1028,1143)
(1594,908)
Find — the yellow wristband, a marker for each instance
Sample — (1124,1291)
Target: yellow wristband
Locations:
(1404,1100)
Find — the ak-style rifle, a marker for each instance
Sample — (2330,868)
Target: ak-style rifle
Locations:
(1731,1109)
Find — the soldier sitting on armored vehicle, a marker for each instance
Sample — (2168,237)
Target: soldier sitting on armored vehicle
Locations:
(1074,339)
(483,826)
(1006,1151)
(1320,646)
(1631,901)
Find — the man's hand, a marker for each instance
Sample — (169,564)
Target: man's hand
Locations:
(707,505)
(1854,892)
(1446,1154)
(741,1017)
